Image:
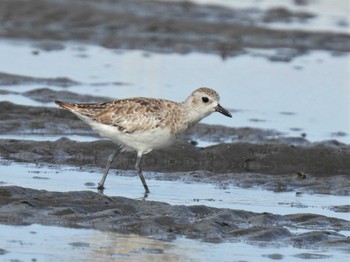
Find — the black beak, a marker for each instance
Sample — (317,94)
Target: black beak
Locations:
(222,110)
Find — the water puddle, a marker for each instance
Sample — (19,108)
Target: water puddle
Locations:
(47,243)
(287,97)
(82,138)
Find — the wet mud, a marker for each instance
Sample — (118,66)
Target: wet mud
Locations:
(10,79)
(161,26)
(245,157)
(271,163)
(275,156)
(87,209)
(276,167)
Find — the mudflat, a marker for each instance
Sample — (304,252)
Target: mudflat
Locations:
(274,164)
(252,158)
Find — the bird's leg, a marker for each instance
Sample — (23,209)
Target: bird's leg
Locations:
(109,162)
(139,172)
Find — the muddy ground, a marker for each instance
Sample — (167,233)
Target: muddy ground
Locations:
(162,26)
(271,163)
(91,210)
(252,157)
(274,155)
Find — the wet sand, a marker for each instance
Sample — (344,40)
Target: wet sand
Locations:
(251,158)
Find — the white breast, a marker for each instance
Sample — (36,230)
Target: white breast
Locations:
(142,142)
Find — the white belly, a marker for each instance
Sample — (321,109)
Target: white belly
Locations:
(142,142)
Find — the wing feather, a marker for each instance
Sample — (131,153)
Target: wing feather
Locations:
(128,115)
(135,115)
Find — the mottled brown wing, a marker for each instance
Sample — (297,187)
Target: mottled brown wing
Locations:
(86,110)
(133,115)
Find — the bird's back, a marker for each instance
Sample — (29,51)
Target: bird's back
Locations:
(128,115)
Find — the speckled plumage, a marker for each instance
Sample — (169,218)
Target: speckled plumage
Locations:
(144,124)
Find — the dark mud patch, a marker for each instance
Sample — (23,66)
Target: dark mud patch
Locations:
(17,119)
(3,251)
(10,80)
(273,167)
(48,45)
(312,256)
(162,26)
(87,209)
(318,160)
(342,209)
(47,95)
(285,16)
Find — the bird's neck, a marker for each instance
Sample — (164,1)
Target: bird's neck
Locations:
(188,117)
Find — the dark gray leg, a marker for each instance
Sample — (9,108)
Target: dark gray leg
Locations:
(139,172)
(109,162)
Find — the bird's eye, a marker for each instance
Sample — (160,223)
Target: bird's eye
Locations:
(205,99)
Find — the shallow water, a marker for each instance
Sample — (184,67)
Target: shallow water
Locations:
(67,244)
(295,98)
(43,137)
(63,179)
(46,243)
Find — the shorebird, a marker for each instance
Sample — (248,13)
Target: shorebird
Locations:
(143,124)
